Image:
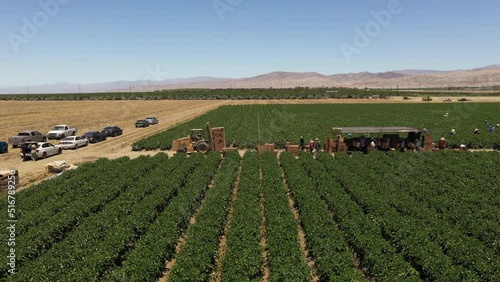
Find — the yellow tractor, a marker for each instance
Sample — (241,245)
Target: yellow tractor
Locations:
(196,142)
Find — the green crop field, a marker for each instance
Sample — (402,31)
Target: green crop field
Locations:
(250,125)
(243,94)
(212,94)
(376,217)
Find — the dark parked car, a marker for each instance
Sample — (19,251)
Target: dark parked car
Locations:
(142,123)
(112,130)
(94,136)
(4,147)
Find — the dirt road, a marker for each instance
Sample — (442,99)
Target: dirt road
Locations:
(94,115)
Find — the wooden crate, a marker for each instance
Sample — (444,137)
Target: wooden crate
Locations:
(294,149)
(266,148)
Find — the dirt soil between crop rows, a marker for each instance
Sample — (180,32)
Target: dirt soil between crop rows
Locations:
(41,116)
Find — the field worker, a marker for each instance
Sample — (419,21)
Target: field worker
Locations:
(453,132)
(476,131)
(442,143)
(317,145)
(362,145)
(417,145)
(301,143)
(311,146)
(491,128)
(403,145)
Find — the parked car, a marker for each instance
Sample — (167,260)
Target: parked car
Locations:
(26,136)
(39,150)
(73,142)
(141,123)
(60,131)
(112,130)
(4,147)
(152,120)
(94,136)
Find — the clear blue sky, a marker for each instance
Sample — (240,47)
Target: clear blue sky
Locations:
(86,41)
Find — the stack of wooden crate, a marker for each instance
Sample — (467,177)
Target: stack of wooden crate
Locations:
(219,139)
(428,145)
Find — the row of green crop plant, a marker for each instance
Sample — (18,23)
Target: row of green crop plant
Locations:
(250,125)
(284,256)
(79,242)
(196,261)
(39,238)
(55,196)
(41,194)
(380,259)
(243,260)
(376,194)
(146,261)
(464,250)
(209,94)
(109,250)
(463,191)
(30,202)
(334,260)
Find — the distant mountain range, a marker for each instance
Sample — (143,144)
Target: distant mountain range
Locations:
(410,78)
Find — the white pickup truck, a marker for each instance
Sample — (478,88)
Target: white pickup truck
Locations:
(60,131)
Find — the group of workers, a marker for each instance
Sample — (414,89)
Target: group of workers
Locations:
(312,146)
(491,128)
(387,144)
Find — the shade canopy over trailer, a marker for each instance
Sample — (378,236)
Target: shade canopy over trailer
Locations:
(390,129)
(391,138)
